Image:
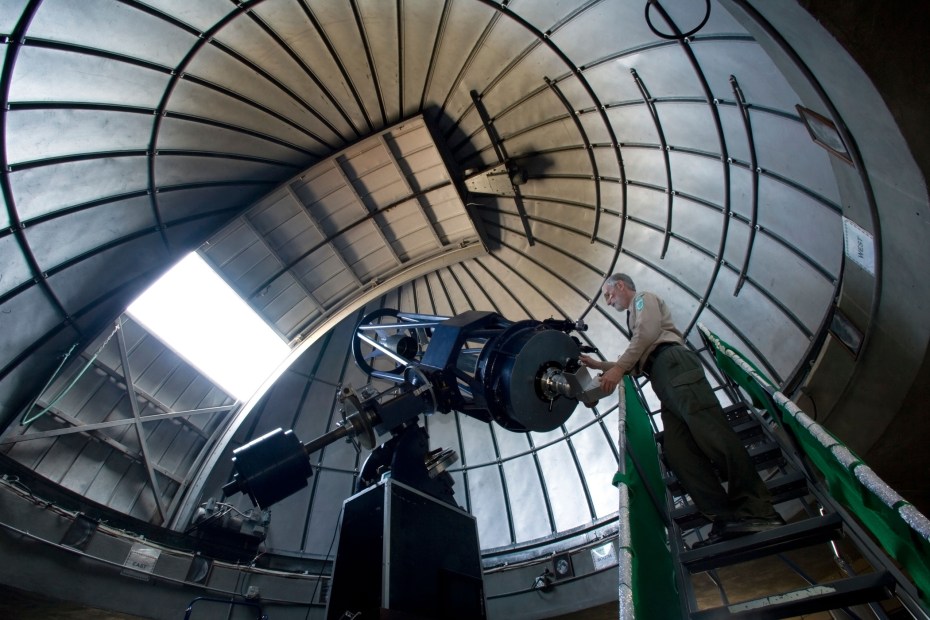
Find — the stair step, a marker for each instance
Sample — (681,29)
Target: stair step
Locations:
(766,454)
(784,488)
(820,597)
(736,411)
(749,429)
(792,536)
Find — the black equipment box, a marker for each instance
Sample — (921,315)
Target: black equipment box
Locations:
(403,554)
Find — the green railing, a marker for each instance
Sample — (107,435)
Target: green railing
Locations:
(901,530)
(647,577)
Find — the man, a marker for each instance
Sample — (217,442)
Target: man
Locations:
(697,435)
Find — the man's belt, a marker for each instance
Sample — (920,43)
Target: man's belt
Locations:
(647,365)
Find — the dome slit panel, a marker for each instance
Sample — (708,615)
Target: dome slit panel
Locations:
(362,211)
(364,188)
(90,462)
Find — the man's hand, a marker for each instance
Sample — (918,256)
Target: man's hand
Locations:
(611,379)
(589,362)
(612,374)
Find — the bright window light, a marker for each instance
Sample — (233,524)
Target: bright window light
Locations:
(193,311)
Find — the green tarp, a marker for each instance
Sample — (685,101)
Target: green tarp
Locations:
(654,594)
(895,535)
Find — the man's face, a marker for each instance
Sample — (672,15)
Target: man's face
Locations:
(617,295)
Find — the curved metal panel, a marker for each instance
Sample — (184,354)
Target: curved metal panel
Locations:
(118,166)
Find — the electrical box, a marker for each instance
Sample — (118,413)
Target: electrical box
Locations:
(403,554)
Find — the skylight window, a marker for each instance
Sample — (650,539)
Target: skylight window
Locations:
(193,311)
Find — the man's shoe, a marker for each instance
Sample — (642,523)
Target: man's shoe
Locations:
(752,525)
(717,534)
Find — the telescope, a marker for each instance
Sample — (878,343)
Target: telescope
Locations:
(521,375)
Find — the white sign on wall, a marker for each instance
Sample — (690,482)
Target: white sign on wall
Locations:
(141,562)
(859,244)
(604,556)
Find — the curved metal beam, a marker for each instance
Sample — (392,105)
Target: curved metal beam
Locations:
(664,147)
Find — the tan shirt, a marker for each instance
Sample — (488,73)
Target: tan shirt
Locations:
(650,322)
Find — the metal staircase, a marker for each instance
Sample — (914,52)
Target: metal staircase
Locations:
(818,527)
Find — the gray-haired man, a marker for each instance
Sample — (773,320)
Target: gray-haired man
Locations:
(697,435)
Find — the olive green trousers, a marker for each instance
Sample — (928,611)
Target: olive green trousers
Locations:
(697,437)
